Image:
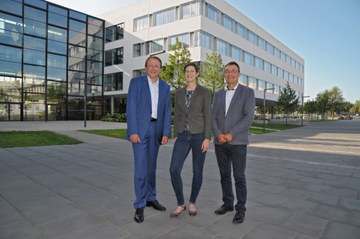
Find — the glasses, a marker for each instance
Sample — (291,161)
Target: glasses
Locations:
(231,72)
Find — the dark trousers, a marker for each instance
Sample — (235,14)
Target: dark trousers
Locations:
(232,155)
(184,142)
(145,154)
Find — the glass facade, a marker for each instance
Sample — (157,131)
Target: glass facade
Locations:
(50,56)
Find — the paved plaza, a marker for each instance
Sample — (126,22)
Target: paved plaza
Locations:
(303,183)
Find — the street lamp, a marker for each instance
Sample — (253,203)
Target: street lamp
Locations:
(302,108)
(266,89)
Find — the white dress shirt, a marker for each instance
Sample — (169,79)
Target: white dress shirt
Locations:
(229,96)
(154,92)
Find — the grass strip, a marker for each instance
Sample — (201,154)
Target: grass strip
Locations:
(11,139)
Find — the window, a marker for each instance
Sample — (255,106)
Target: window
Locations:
(34,14)
(252,83)
(237,53)
(261,85)
(243,79)
(273,69)
(10,29)
(115,32)
(57,16)
(190,10)
(164,17)
(269,48)
(57,34)
(140,72)
(113,81)
(262,43)
(156,45)
(205,40)
(184,39)
(267,67)
(11,6)
(252,37)
(214,14)
(114,56)
(249,58)
(34,28)
(241,31)
(77,26)
(259,63)
(228,23)
(222,47)
(141,23)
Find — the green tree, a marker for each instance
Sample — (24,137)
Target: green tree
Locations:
(173,71)
(356,107)
(212,72)
(335,99)
(310,107)
(288,101)
(323,99)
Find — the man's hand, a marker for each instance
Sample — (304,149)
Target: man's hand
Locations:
(221,138)
(164,140)
(228,137)
(134,138)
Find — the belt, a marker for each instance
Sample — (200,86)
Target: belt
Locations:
(153,119)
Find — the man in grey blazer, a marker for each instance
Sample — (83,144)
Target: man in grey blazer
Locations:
(232,115)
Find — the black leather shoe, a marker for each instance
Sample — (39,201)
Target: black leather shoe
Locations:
(139,215)
(156,205)
(239,217)
(223,209)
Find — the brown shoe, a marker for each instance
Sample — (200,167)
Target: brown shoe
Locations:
(192,209)
(178,211)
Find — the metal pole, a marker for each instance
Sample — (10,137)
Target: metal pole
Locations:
(302,108)
(264,107)
(85,101)
(264,112)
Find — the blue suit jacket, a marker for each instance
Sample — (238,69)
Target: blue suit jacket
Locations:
(239,116)
(138,108)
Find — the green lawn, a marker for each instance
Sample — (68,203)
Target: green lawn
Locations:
(255,129)
(10,139)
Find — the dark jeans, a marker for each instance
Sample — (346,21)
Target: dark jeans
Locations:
(234,155)
(184,142)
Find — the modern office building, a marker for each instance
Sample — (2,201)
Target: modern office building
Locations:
(49,57)
(138,30)
(53,59)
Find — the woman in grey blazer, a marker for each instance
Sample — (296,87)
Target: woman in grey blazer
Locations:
(192,131)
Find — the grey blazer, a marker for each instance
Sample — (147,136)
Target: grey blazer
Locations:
(239,116)
(198,115)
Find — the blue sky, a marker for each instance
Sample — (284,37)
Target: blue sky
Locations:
(325,33)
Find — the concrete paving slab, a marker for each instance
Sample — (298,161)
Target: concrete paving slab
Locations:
(303,183)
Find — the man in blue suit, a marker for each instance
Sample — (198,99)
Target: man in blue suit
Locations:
(232,115)
(148,114)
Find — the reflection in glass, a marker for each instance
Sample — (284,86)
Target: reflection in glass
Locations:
(56,74)
(57,47)
(11,6)
(10,68)
(34,28)
(77,38)
(34,57)
(57,20)
(8,53)
(35,14)
(57,34)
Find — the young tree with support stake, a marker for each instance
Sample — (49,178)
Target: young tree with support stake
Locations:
(288,101)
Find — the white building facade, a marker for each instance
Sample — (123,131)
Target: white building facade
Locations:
(139,30)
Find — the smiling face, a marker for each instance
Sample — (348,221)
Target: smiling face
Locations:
(191,74)
(232,75)
(153,68)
